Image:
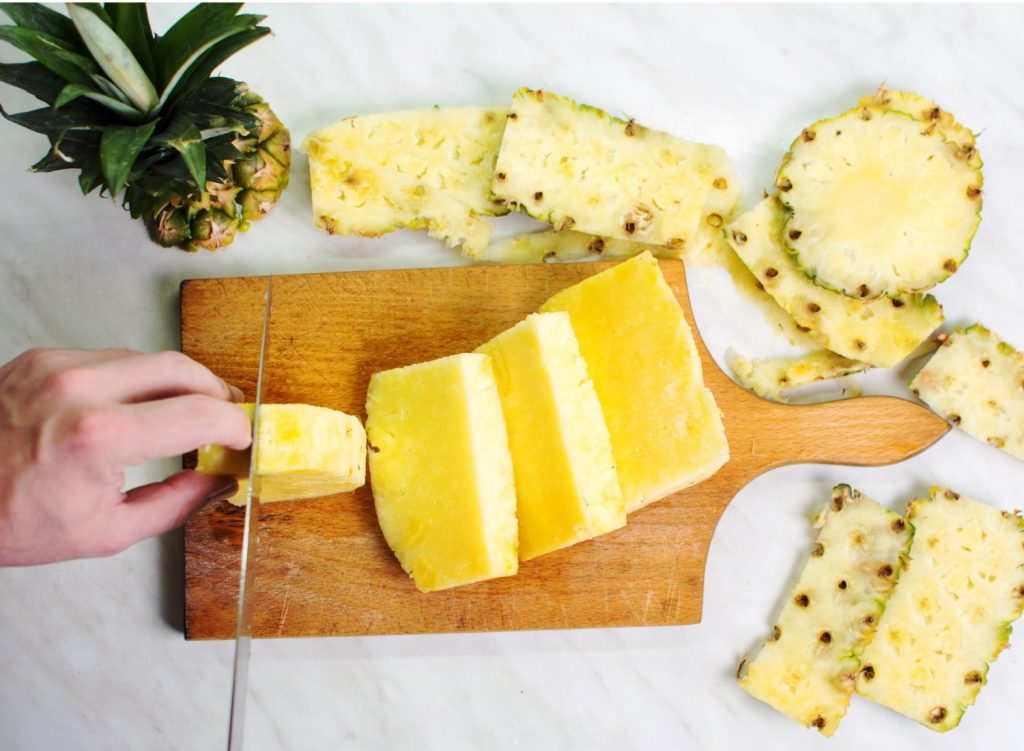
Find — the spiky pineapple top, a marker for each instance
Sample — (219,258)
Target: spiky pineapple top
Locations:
(195,156)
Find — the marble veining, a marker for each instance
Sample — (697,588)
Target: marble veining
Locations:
(92,655)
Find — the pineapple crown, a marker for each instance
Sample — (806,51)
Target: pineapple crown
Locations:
(133,111)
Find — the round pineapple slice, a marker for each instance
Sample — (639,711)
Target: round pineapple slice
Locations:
(879,204)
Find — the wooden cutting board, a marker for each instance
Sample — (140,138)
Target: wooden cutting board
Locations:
(322,566)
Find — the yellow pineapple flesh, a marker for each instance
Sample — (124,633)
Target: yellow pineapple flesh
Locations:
(566,486)
(304,451)
(441,471)
(666,430)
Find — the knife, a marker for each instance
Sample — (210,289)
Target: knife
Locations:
(246,578)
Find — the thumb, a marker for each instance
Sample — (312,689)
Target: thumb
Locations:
(152,509)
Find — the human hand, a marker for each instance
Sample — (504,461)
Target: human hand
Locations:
(71,421)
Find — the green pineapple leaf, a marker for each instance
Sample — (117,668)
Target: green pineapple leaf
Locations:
(56,55)
(74,90)
(119,148)
(184,137)
(33,78)
(43,19)
(203,66)
(115,58)
(96,9)
(131,22)
(53,123)
(194,32)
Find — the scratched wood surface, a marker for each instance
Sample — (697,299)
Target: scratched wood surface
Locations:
(322,566)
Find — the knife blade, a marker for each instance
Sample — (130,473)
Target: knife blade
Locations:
(246,578)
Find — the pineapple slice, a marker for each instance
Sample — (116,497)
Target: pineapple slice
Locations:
(928,112)
(451,150)
(768,378)
(977,382)
(441,471)
(879,332)
(354,195)
(665,427)
(567,245)
(304,452)
(567,489)
(807,668)
(578,167)
(878,205)
(952,612)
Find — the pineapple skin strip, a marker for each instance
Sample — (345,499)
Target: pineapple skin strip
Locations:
(769,377)
(807,668)
(578,167)
(951,614)
(976,381)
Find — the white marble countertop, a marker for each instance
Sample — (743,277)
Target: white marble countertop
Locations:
(91,654)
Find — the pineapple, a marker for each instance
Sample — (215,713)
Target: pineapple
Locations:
(665,428)
(432,169)
(977,382)
(879,204)
(196,158)
(441,471)
(879,332)
(352,194)
(580,168)
(807,668)
(567,245)
(768,378)
(952,612)
(567,489)
(304,452)
(927,112)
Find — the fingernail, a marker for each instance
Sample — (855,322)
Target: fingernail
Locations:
(236,393)
(226,487)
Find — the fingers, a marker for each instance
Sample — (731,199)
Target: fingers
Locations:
(161,506)
(144,377)
(128,434)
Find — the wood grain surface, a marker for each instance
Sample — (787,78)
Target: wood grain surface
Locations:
(322,566)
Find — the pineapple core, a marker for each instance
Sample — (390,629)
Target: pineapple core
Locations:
(304,452)
(566,486)
(666,430)
(441,471)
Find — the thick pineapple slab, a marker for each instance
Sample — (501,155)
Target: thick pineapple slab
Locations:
(567,489)
(578,167)
(878,204)
(879,332)
(769,377)
(354,195)
(441,471)
(666,430)
(952,612)
(304,452)
(807,668)
(977,382)
(452,150)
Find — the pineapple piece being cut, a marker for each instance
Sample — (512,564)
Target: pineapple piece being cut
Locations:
(441,471)
(666,430)
(879,332)
(952,612)
(304,452)
(807,668)
(352,194)
(769,377)
(578,167)
(977,382)
(878,205)
(567,489)
(451,150)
